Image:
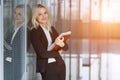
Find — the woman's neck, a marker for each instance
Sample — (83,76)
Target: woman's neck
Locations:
(44,25)
(18,26)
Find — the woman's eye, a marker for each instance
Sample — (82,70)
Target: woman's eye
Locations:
(45,13)
(39,14)
(19,14)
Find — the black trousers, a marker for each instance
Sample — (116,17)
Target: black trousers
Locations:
(54,71)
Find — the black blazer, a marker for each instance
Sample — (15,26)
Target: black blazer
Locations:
(40,43)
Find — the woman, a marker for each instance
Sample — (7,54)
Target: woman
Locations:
(16,57)
(49,63)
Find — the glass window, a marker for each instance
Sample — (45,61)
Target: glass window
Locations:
(75,9)
(95,9)
(14,19)
(110,11)
(84,15)
(1,40)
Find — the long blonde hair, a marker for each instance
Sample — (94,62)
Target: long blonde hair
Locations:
(35,14)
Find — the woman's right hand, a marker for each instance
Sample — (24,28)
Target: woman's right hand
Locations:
(60,51)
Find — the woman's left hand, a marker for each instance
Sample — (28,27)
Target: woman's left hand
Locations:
(60,42)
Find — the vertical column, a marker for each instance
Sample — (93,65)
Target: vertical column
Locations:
(70,5)
(1,40)
(90,39)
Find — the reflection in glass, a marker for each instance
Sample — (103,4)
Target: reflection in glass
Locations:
(14,45)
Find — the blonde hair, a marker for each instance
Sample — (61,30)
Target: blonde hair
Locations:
(35,14)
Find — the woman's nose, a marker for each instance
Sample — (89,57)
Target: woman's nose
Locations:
(43,15)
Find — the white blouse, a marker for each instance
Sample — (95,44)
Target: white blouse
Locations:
(49,39)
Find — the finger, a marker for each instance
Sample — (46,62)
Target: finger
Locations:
(62,39)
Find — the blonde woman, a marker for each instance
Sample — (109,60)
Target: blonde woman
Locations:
(49,63)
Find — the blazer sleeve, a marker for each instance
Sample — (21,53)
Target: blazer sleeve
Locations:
(39,47)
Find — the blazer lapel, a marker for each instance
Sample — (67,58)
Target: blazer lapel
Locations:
(43,36)
(51,34)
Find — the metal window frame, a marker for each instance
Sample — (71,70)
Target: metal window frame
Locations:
(1,41)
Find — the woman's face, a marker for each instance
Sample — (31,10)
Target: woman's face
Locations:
(19,19)
(42,16)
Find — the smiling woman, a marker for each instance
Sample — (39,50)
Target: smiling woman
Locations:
(49,63)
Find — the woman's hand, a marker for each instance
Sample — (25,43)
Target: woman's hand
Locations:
(60,42)
(60,51)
